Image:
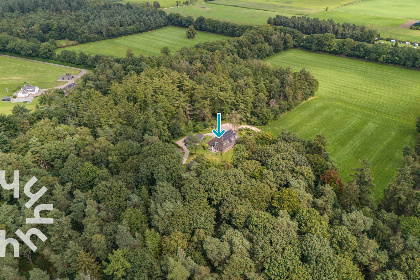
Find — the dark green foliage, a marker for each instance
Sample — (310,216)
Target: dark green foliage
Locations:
(191,32)
(310,26)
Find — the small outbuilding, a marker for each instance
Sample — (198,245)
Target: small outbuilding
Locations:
(69,88)
(393,41)
(6,99)
(199,136)
(66,77)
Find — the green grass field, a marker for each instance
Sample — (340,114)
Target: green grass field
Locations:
(148,43)
(389,8)
(384,16)
(365,110)
(16,72)
(227,13)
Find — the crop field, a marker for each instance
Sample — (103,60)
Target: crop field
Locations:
(148,43)
(365,110)
(16,72)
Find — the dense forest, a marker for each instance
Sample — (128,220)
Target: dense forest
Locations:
(126,208)
(310,26)
(30,28)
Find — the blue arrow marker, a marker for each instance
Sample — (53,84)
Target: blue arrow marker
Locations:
(219,133)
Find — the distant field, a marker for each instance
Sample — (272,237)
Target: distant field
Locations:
(163,3)
(390,8)
(15,72)
(384,16)
(148,43)
(227,13)
(365,110)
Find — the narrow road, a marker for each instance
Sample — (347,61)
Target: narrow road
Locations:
(186,151)
(225,126)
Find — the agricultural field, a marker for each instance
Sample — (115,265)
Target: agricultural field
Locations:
(15,72)
(365,110)
(384,16)
(227,13)
(389,8)
(148,43)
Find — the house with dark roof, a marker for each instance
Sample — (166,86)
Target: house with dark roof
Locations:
(68,88)
(224,143)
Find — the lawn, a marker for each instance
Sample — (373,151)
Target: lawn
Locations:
(16,72)
(148,43)
(365,110)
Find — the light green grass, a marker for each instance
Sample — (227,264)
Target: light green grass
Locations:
(16,72)
(365,110)
(148,43)
(386,19)
(389,8)
(226,13)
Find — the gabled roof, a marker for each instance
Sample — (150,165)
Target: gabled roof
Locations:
(228,139)
(28,87)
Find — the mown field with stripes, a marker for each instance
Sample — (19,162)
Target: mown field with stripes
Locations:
(366,111)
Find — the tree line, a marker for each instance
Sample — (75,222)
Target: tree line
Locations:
(26,26)
(383,53)
(311,26)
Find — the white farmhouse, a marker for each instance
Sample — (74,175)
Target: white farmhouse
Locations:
(27,91)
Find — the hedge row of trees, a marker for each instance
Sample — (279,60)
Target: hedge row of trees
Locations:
(310,26)
(382,53)
(209,25)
